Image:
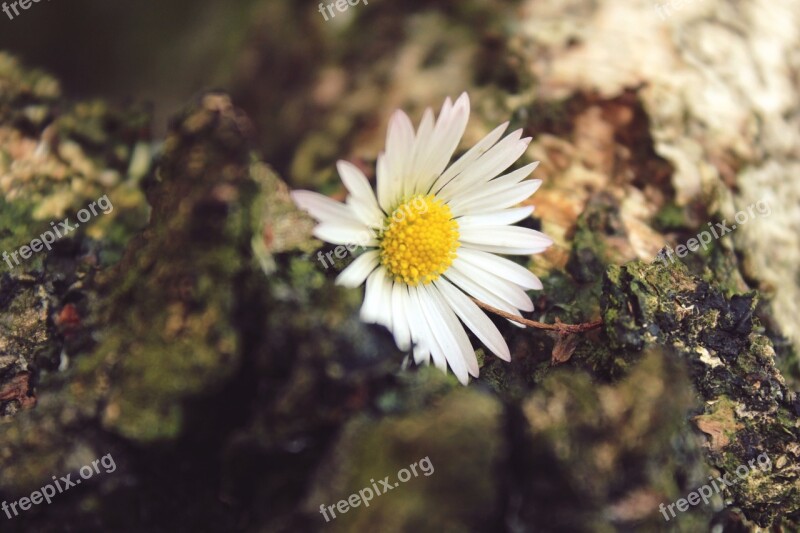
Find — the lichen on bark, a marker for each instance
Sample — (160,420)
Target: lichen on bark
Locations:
(215,358)
(747,408)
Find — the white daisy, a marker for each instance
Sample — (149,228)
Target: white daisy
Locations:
(432,234)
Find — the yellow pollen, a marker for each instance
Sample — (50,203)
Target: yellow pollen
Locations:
(419,240)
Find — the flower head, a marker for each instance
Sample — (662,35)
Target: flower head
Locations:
(432,235)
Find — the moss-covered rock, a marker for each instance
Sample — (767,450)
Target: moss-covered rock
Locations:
(457,447)
(172,297)
(56,158)
(748,409)
(603,457)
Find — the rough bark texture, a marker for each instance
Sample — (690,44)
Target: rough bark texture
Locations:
(192,333)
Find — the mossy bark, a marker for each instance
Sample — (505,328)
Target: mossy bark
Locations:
(193,334)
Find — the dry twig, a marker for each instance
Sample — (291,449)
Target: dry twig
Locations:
(563,329)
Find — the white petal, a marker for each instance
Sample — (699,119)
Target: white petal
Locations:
(377,306)
(499,218)
(323,208)
(512,196)
(387,194)
(468,158)
(370,292)
(506,250)
(354,180)
(422,326)
(365,214)
(475,319)
(483,189)
(362,198)
(356,273)
(496,160)
(399,150)
(355,233)
(422,144)
(446,136)
(383,307)
(402,333)
(506,290)
(370,311)
(479,292)
(501,267)
(466,353)
(444,344)
(506,236)
(500,199)
(417,328)
(422,355)
(492,163)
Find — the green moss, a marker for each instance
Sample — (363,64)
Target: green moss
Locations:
(732,365)
(18,229)
(593,441)
(370,449)
(590,253)
(671,217)
(173,297)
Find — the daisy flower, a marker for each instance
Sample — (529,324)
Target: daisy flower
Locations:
(432,234)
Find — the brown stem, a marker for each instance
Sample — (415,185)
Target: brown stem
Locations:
(564,329)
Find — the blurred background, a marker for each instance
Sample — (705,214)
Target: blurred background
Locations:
(145,51)
(194,336)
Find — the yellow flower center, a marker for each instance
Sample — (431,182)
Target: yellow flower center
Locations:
(419,240)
